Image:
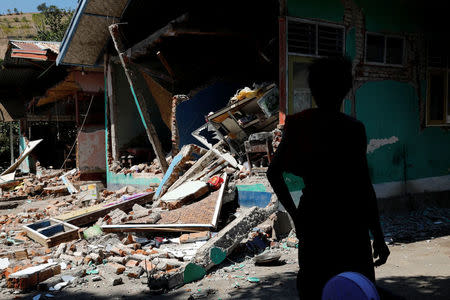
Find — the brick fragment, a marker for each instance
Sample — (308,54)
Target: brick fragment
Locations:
(30,277)
(115,268)
(132,263)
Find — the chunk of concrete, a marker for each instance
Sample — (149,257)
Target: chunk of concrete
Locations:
(230,236)
(186,192)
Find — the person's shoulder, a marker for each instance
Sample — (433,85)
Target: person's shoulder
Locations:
(300,116)
(351,120)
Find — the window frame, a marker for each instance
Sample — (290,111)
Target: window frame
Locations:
(384,64)
(446,72)
(316,23)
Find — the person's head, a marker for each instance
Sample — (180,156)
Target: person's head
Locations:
(329,80)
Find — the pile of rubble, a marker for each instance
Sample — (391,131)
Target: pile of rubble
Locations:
(125,167)
(44,182)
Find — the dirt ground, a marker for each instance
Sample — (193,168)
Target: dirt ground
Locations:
(419,270)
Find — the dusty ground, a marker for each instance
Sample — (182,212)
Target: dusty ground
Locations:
(419,270)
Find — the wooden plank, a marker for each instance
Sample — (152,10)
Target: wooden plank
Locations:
(91,214)
(161,229)
(139,99)
(31,145)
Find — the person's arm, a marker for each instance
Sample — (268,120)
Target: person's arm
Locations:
(380,250)
(275,175)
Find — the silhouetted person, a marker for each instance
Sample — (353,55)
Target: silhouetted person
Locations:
(338,207)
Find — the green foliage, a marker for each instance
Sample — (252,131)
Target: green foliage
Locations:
(53,23)
(24,19)
(16,11)
(9,11)
(16,19)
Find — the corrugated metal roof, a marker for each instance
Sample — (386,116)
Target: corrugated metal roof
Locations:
(37,45)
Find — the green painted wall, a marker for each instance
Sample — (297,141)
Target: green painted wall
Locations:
(391,15)
(330,10)
(390,108)
(114,180)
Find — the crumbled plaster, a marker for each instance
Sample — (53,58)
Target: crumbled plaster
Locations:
(375,144)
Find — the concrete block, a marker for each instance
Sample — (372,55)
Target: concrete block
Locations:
(230,236)
(186,192)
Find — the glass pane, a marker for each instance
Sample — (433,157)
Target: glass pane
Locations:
(302,38)
(437,96)
(394,51)
(375,48)
(330,41)
(301,92)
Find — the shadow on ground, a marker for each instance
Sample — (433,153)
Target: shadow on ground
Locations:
(283,286)
(418,287)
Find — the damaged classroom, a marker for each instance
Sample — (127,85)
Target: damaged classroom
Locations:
(145,135)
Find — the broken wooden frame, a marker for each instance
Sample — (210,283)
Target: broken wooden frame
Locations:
(51,232)
(173,227)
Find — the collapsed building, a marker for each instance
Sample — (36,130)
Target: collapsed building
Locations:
(179,107)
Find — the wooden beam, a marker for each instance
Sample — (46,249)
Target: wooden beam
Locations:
(139,98)
(112,107)
(141,48)
(165,64)
(11,142)
(153,73)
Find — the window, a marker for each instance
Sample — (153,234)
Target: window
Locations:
(314,39)
(385,50)
(438,84)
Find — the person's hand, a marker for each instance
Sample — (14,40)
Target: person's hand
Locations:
(380,251)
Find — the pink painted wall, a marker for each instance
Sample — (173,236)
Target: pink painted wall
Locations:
(91,151)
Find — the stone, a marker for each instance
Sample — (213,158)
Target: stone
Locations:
(96,278)
(60,250)
(117,281)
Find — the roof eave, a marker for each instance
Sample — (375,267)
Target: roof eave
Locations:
(70,32)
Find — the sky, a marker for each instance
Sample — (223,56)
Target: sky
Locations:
(30,5)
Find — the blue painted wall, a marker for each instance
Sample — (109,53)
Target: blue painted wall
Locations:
(191,114)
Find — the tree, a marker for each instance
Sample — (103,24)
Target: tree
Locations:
(9,11)
(16,11)
(54,23)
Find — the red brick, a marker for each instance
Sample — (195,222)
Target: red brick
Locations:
(132,263)
(146,265)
